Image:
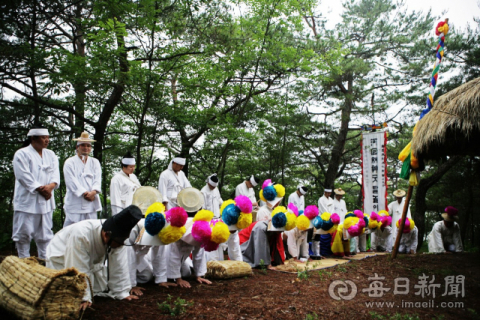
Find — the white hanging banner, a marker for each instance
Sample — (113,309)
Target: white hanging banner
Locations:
(374,171)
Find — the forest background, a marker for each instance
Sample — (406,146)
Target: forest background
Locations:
(246,87)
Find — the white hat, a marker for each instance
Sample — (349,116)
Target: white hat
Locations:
(327,190)
(37,132)
(144,197)
(275,201)
(84,138)
(190,199)
(180,161)
(399,193)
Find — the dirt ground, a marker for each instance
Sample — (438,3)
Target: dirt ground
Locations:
(276,295)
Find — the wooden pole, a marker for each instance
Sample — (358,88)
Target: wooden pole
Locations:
(402,222)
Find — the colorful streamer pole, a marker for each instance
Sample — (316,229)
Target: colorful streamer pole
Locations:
(411,166)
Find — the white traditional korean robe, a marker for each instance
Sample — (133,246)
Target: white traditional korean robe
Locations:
(146,262)
(297,201)
(80,245)
(32,212)
(408,241)
(297,243)
(233,246)
(395,210)
(340,208)
(325,205)
(122,188)
(170,184)
(442,238)
(243,190)
(80,178)
(213,200)
(264,213)
(382,240)
(179,264)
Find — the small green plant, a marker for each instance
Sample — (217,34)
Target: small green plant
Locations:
(174,308)
(324,274)
(302,275)
(342,269)
(312,316)
(263,267)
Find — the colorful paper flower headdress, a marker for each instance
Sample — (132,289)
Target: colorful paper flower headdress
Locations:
(283,219)
(169,226)
(409,225)
(271,193)
(354,223)
(378,220)
(305,220)
(237,214)
(326,222)
(209,232)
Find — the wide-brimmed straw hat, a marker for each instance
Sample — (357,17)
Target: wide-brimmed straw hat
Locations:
(339,191)
(190,199)
(144,197)
(450,214)
(399,193)
(84,137)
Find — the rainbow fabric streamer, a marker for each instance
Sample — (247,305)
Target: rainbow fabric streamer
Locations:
(406,156)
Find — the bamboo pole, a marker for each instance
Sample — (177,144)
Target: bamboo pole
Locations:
(402,222)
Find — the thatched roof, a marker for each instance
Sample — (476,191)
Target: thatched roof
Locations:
(452,127)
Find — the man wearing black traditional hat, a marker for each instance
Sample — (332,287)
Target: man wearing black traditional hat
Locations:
(87,244)
(123,185)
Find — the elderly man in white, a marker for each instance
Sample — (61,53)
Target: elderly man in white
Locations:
(325,204)
(395,209)
(123,185)
(246,189)
(297,198)
(339,205)
(36,176)
(445,236)
(83,178)
(172,181)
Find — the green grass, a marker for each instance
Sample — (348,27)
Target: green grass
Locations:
(174,308)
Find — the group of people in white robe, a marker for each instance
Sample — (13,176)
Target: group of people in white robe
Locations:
(87,243)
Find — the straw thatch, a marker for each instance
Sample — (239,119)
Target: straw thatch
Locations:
(31,291)
(227,269)
(452,127)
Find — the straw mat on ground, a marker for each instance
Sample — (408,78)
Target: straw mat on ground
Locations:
(227,269)
(32,291)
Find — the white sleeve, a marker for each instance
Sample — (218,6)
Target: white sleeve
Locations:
(290,198)
(238,191)
(437,238)
(373,240)
(457,239)
(389,240)
(304,246)
(234,250)
(199,261)
(163,186)
(97,177)
(119,282)
(159,263)
(23,173)
(174,260)
(71,181)
(414,240)
(56,172)
(292,243)
(132,265)
(115,192)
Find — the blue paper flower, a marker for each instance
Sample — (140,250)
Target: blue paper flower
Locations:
(279,220)
(269,193)
(317,222)
(154,223)
(230,214)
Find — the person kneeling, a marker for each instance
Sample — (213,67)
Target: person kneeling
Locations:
(409,239)
(445,235)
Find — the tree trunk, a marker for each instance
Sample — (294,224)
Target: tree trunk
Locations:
(420,202)
(468,210)
(79,83)
(337,150)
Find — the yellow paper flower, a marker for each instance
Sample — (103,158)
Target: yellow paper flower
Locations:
(303,223)
(280,190)
(170,234)
(225,204)
(155,207)
(244,220)
(203,215)
(220,232)
(279,209)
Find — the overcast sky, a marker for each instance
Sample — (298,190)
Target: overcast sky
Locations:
(459,12)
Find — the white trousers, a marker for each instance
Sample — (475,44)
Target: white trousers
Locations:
(71,218)
(234,250)
(28,226)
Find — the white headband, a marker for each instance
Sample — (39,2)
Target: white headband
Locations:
(180,161)
(301,190)
(83,142)
(37,132)
(210,182)
(128,161)
(252,181)
(328,190)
